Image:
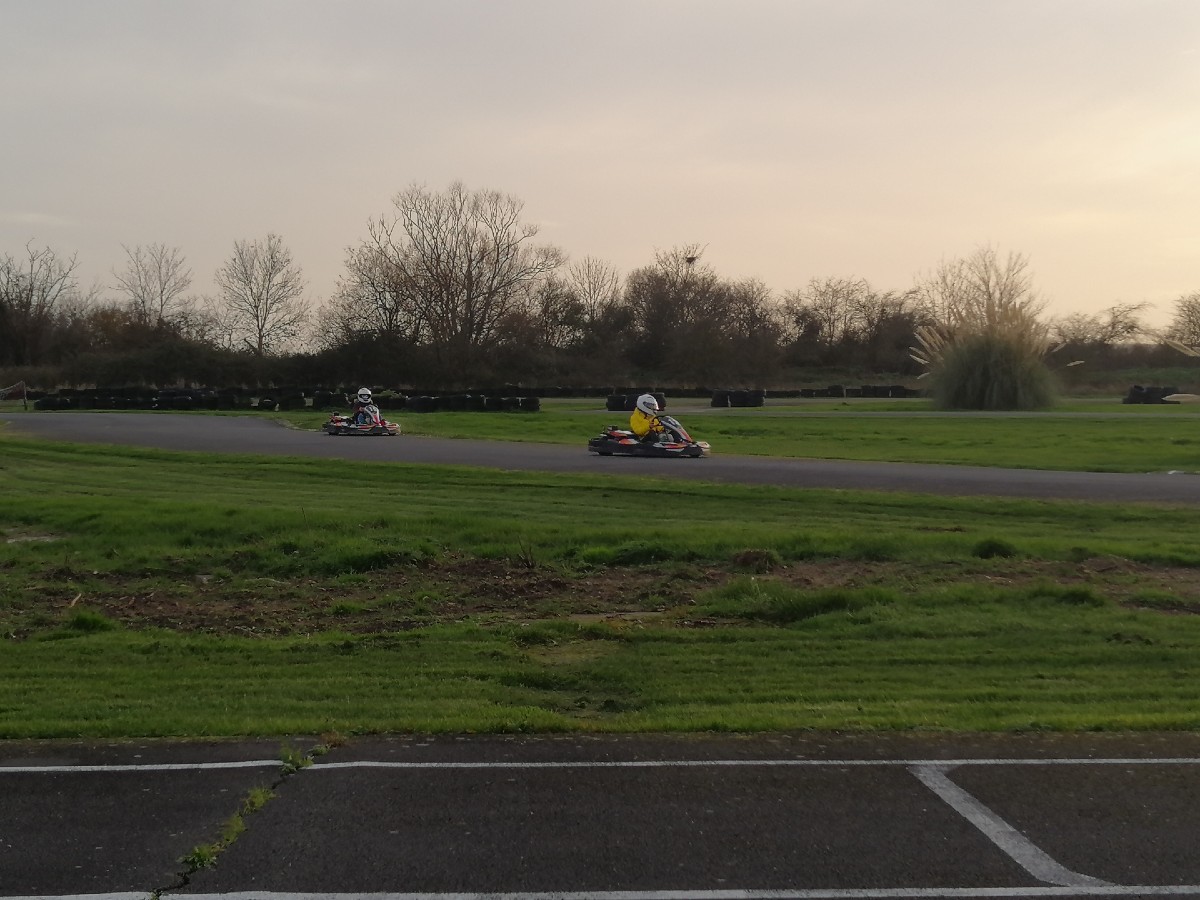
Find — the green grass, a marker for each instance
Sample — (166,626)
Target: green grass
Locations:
(1000,661)
(156,593)
(169,515)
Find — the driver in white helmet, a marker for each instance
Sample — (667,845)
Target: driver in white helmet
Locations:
(365,410)
(643,422)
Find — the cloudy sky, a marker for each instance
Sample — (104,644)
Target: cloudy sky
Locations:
(795,139)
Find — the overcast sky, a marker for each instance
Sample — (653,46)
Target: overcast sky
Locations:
(795,139)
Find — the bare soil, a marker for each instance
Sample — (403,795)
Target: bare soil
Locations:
(500,591)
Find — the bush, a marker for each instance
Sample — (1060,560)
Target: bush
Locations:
(991,371)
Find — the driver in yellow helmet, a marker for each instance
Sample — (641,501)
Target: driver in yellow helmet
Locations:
(643,422)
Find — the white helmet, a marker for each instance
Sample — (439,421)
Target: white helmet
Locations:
(364,395)
(647,404)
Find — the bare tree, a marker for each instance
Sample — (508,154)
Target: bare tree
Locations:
(979,287)
(1104,329)
(1185,324)
(596,287)
(675,309)
(462,263)
(154,281)
(372,297)
(829,309)
(261,290)
(33,289)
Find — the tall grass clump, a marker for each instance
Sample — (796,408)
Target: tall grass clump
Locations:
(985,348)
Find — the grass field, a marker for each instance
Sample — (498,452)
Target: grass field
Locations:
(156,593)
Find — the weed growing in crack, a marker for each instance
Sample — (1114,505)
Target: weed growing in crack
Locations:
(204,856)
(293,759)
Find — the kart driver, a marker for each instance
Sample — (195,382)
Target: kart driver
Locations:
(644,420)
(364,410)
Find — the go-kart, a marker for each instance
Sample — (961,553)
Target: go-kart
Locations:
(671,440)
(370,422)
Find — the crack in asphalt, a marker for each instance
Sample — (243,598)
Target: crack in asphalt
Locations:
(291,763)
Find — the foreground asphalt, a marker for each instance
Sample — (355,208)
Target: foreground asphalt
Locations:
(621,817)
(248,434)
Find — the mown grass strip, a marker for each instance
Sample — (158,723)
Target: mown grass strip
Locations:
(73,513)
(904,667)
(920,649)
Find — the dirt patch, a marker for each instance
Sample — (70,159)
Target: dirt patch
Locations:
(495,592)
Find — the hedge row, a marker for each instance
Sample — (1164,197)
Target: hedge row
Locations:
(484,400)
(465,403)
(628,402)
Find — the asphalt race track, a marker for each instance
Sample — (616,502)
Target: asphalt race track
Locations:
(638,817)
(249,434)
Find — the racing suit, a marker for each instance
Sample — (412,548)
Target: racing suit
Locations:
(643,426)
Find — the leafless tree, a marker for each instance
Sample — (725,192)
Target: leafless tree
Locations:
(674,294)
(461,263)
(371,297)
(1111,326)
(596,286)
(549,318)
(261,293)
(154,281)
(829,309)
(1185,324)
(839,320)
(977,288)
(33,290)
(691,325)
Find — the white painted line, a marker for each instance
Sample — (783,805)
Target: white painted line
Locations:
(701,763)
(621,764)
(143,767)
(1172,890)
(1030,857)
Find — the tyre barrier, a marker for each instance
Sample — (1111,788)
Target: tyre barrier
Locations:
(1139,394)
(627,402)
(427,403)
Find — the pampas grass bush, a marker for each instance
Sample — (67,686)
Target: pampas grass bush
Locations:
(987,347)
(991,371)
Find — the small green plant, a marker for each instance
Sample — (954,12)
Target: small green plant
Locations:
(1068,595)
(524,554)
(757,561)
(990,548)
(256,800)
(632,553)
(767,600)
(346,608)
(202,856)
(1161,600)
(293,759)
(87,621)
